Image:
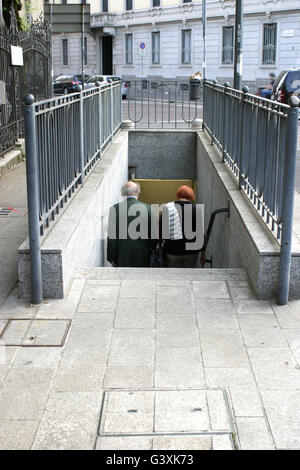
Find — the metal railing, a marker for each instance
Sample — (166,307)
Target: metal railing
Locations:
(257,140)
(163,104)
(64,138)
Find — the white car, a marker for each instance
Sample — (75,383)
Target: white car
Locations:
(104,79)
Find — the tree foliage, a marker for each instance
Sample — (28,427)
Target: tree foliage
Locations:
(6,10)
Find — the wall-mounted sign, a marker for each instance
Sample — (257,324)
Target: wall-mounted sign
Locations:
(288,33)
(16,55)
(142,48)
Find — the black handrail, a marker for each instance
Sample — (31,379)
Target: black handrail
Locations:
(210,227)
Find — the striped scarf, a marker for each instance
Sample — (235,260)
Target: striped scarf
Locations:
(174,222)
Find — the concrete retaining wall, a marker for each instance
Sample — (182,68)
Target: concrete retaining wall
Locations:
(158,154)
(240,241)
(78,238)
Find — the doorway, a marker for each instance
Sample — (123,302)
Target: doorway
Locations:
(107,58)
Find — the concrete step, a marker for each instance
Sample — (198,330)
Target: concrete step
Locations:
(162,274)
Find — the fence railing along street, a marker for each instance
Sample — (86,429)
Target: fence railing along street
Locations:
(16,80)
(163,104)
(257,139)
(65,137)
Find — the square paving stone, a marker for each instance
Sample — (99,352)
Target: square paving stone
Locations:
(129,377)
(17,435)
(178,367)
(210,290)
(223,348)
(100,299)
(133,347)
(39,357)
(217,313)
(252,306)
(69,422)
(60,309)
(275,368)
(138,288)
(175,300)
(253,434)
(283,412)
(135,313)
(124,443)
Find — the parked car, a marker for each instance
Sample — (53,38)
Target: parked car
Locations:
(286,84)
(104,79)
(65,84)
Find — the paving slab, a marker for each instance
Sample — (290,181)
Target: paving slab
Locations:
(254,434)
(13,307)
(69,422)
(17,435)
(24,393)
(80,370)
(60,309)
(283,412)
(38,357)
(262,331)
(135,313)
(175,300)
(210,290)
(288,315)
(293,339)
(129,377)
(252,306)
(275,368)
(218,313)
(141,289)
(132,347)
(90,331)
(179,368)
(99,299)
(223,348)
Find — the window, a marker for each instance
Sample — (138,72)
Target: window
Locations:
(65,52)
(187,1)
(128,48)
(84,51)
(129,5)
(155,48)
(156,3)
(64,2)
(104,5)
(186,52)
(227,45)
(269,44)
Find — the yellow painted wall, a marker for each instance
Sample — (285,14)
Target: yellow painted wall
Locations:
(161,191)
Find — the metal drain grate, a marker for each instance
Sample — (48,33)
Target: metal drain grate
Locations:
(164,419)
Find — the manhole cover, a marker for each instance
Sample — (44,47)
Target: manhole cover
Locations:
(36,333)
(201,417)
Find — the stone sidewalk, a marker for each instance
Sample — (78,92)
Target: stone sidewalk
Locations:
(13,225)
(150,359)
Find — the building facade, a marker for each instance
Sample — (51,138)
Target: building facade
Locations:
(164,38)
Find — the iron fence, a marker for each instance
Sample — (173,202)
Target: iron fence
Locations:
(163,104)
(257,139)
(64,136)
(16,81)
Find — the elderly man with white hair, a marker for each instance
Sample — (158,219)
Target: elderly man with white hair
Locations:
(132,232)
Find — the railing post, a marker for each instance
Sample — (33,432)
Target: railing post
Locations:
(81,139)
(245,90)
(100,115)
(288,202)
(33,200)
(112,109)
(214,82)
(226,85)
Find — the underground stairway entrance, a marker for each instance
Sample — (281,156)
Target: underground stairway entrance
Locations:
(161,161)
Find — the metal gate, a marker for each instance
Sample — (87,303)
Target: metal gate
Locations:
(16,81)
